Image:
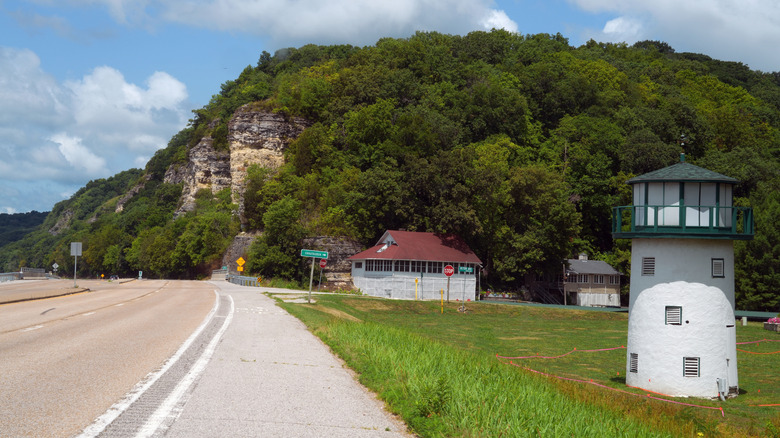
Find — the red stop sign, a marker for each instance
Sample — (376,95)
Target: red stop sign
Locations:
(323,262)
(449,270)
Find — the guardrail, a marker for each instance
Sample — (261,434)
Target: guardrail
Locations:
(33,272)
(243,281)
(10,276)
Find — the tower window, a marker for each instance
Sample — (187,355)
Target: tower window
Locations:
(691,366)
(633,362)
(673,315)
(648,265)
(718,268)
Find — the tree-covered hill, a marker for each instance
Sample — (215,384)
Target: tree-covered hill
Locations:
(520,144)
(15,226)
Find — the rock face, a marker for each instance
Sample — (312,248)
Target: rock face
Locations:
(120,204)
(258,137)
(255,137)
(205,169)
(63,222)
(238,248)
(338,271)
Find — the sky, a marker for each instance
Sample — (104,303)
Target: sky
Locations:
(89,88)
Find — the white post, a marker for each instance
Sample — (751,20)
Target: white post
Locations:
(311,278)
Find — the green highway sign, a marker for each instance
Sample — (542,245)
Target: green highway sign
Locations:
(467,269)
(313,253)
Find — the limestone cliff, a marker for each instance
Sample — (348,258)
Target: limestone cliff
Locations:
(206,168)
(255,137)
(258,137)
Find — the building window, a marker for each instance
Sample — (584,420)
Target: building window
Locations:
(369,265)
(358,265)
(633,362)
(402,266)
(583,278)
(614,279)
(691,367)
(718,268)
(598,279)
(673,315)
(435,267)
(648,265)
(387,265)
(417,266)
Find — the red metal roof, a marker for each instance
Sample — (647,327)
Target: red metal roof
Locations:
(412,245)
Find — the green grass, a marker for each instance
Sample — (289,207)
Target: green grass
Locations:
(440,371)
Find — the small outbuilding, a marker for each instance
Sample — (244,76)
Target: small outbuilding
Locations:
(411,265)
(592,283)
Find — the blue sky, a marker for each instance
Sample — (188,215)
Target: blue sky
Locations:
(89,88)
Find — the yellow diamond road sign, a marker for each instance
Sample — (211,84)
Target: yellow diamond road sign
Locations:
(240,261)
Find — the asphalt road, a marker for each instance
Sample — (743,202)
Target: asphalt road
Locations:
(64,361)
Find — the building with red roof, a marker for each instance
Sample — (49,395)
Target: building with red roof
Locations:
(410,265)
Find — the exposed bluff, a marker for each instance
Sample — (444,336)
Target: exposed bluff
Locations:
(254,136)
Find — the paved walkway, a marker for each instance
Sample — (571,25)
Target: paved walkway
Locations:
(270,377)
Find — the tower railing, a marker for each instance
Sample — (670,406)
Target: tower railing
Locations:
(681,221)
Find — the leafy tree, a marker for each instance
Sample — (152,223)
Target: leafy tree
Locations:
(758,268)
(276,252)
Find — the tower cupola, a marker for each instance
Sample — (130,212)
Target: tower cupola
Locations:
(683,201)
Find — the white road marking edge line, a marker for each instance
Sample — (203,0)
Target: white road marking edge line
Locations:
(165,410)
(119,407)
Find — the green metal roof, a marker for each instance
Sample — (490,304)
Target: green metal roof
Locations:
(682,172)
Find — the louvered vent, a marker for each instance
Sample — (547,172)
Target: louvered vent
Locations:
(673,315)
(691,367)
(718,268)
(633,362)
(648,265)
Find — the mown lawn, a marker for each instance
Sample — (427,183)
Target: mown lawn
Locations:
(441,373)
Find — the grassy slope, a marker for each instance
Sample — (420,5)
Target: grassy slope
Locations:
(440,371)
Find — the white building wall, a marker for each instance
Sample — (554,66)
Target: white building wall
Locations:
(683,277)
(397,285)
(681,260)
(597,299)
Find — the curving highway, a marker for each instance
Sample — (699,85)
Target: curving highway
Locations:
(64,361)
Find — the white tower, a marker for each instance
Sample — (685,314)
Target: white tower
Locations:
(681,325)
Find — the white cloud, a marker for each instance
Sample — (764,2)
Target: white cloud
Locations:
(288,22)
(498,20)
(747,31)
(57,136)
(79,156)
(623,29)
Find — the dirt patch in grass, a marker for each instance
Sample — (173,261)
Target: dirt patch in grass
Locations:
(334,312)
(368,304)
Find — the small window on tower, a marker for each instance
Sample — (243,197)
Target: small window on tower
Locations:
(718,268)
(633,362)
(673,315)
(691,367)
(648,265)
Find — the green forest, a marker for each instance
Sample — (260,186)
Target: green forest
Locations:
(520,144)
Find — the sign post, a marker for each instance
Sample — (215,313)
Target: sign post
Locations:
(314,254)
(323,263)
(465,270)
(75,251)
(448,271)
